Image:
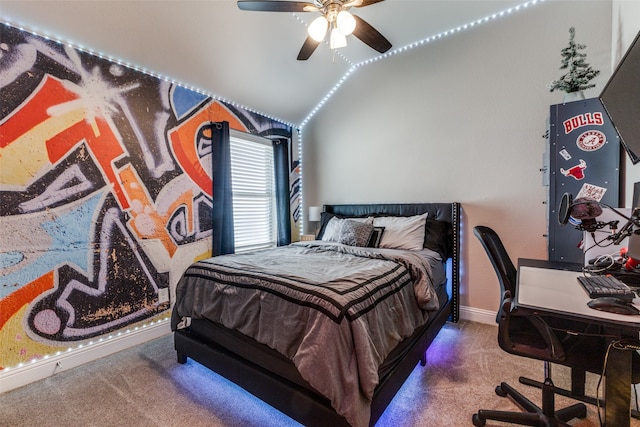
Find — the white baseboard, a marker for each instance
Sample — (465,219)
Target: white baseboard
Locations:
(12,378)
(478,315)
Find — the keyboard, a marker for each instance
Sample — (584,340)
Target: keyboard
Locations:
(606,286)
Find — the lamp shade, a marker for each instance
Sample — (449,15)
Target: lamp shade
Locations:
(337,39)
(318,28)
(346,22)
(314,213)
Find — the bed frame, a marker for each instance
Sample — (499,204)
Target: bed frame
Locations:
(302,403)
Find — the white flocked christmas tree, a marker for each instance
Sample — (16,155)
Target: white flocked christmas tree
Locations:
(579,73)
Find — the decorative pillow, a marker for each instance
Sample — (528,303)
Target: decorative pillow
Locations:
(367,220)
(401,232)
(376,236)
(356,233)
(347,232)
(325,217)
(437,236)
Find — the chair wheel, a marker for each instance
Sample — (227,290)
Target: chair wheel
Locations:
(477,421)
(500,392)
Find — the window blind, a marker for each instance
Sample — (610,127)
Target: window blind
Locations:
(253,187)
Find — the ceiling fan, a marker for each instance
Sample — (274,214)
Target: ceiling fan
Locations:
(335,19)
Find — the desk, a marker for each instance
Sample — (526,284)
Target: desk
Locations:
(552,289)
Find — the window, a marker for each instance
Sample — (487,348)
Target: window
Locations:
(253,187)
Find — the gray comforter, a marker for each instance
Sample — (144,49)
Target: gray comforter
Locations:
(336,311)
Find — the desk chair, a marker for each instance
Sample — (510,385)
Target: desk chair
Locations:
(596,346)
(528,335)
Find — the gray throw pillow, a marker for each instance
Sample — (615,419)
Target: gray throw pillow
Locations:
(347,232)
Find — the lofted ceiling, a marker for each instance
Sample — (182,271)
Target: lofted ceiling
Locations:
(248,58)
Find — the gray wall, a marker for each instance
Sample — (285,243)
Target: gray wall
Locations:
(459,119)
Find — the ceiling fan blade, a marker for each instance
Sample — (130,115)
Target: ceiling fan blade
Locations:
(276,6)
(308,48)
(369,35)
(360,3)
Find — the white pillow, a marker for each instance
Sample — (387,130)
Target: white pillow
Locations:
(402,232)
(332,230)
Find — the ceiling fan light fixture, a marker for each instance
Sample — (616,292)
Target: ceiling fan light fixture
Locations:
(337,39)
(346,22)
(318,28)
(336,19)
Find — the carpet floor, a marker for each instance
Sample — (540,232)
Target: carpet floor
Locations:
(145,386)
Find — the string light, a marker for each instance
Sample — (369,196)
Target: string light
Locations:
(409,47)
(313,112)
(87,345)
(354,67)
(299,128)
(301,202)
(79,47)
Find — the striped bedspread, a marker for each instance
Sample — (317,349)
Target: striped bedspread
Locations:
(336,311)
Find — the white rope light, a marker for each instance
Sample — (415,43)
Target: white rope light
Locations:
(301,203)
(409,47)
(298,128)
(86,344)
(77,46)
(352,68)
(81,48)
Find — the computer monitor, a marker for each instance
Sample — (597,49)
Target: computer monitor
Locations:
(636,195)
(621,100)
(634,240)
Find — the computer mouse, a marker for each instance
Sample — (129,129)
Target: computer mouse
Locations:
(613,305)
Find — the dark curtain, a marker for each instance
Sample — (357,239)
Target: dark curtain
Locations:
(223,238)
(283,209)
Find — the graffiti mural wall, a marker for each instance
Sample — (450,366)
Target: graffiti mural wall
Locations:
(105,192)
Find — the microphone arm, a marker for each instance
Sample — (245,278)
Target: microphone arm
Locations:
(628,229)
(593,226)
(589,223)
(625,231)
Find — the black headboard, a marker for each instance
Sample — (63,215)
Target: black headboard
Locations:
(439,211)
(447,212)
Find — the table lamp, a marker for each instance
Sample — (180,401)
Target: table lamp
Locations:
(314,217)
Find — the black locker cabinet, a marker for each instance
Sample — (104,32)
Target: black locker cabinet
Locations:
(584,153)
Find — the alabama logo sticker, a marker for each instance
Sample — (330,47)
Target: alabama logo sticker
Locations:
(591,140)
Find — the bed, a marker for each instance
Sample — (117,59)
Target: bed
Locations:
(292,372)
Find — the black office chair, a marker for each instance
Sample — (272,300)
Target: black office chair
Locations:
(579,365)
(529,335)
